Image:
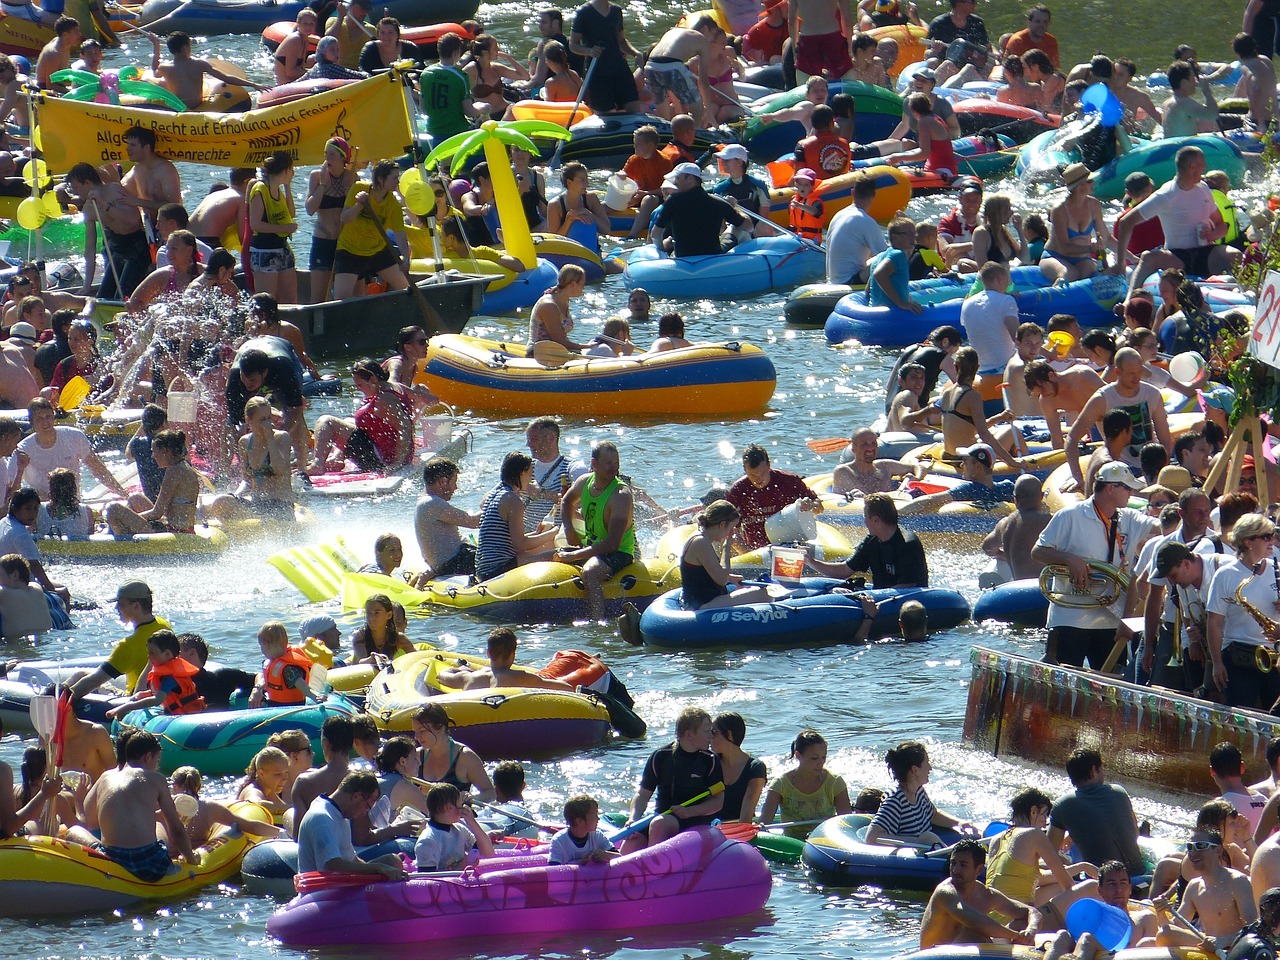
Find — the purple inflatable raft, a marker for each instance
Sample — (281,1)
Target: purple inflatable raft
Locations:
(697,876)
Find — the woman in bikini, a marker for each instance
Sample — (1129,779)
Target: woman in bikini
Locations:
(486,69)
(1077,231)
(722,66)
(963,421)
(577,213)
(443,760)
(550,318)
(378,640)
(265,457)
(181,271)
(327,190)
(290,60)
(998,235)
(175,507)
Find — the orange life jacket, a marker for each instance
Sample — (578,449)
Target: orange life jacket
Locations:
(805,223)
(826,154)
(273,677)
(186,699)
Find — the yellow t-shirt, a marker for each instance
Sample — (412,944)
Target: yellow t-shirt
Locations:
(351,41)
(362,237)
(129,656)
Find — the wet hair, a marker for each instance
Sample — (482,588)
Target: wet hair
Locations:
(153,418)
(64,494)
(1081,764)
(514,464)
(1110,867)
(571,171)
(437,468)
(407,335)
(432,716)
(1153,458)
(141,136)
(671,325)
(393,751)
(1035,228)
(1027,798)
(1178,72)
(717,512)
(196,642)
(501,642)
(754,455)
(913,618)
(966,361)
(579,808)
(946,333)
(1116,422)
(1039,59)
(440,796)
(290,741)
(570,273)
(822,117)
(220,259)
(364,730)
(12,563)
(920,104)
(545,423)
(508,778)
(173,442)
(1244,46)
(141,745)
(976,851)
(338,733)
(731,726)
(804,740)
(1013,66)
(690,719)
(908,754)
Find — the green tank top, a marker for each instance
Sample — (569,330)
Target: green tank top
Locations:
(593,515)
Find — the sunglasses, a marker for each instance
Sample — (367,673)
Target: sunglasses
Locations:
(1201,844)
(419,340)
(1259,536)
(438,193)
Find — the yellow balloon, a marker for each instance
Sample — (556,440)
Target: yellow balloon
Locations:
(35,169)
(51,205)
(409,178)
(417,197)
(37,140)
(30,214)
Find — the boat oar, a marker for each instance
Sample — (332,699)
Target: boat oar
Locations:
(827,444)
(44,717)
(431,320)
(519,818)
(549,353)
(777,226)
(946,851)
(73,393)
(643,823)
(582,92)
(788,824)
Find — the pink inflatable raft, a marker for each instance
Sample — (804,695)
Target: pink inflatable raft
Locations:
(697,876)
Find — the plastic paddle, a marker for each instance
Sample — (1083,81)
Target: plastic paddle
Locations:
(431,320)
(582,92)
(827,444)
(777,226)
(73,393)
(643,823)
(788,824)
(44,715)
(946,851)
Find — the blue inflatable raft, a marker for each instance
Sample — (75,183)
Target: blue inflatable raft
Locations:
(818,611)
(1019,602)
(838,852)
(521,292)
(754,267)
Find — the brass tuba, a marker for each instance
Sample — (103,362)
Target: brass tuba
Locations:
(1264,657)
(1107,584)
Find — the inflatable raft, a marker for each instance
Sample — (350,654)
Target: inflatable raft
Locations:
(205,542)
(992,951)
(749,269)
(1020,124)
(605,142)
(817,610)
(1156,159)
(44,876)
(222,742)
(809,305)
(208,17)
(427,35)
(497,722)
(1020,602)
(695,877)
(877,111)
(837,851)
(269,867)
(713,380)
(956,517)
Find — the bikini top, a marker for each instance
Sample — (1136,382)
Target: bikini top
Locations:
(1087,231)
(953,412)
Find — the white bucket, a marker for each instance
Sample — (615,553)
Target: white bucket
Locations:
(791,525)
(182,406)
(786,564)
(619,191)
(437,431)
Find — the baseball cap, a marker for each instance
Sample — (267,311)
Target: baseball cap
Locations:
(23,331)
(314,626)
(981,452)
(688,169)
(1117,473)
(969,185)
(133,590)
(925,73)
(1170,554)
(805,173)
(734,151)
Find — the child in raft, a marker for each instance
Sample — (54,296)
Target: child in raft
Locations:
(810,791)
(582,841)
(265,781)
(908,815)
(297,747)
(444,842)
(170,680)
(201,817)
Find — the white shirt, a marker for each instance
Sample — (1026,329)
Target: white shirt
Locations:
(1079,530)
(323,835)
(70,450)
(853,238)
(1181,213)
(442,849)
(983,317)
(564,849)
(1238,625)
(1248,805)
(1195,600)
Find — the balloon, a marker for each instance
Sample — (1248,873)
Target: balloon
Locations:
(1099,98)
(30,214)
(37,140)
(417,197)
(51,205)
(409,178)
(36,169)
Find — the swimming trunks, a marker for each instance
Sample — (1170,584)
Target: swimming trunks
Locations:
(823,51)
(1195,260)
(148,863)
(669,75)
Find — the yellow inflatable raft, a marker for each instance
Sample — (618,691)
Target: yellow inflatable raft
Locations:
(43,876)
(556,112)
(244,528)
(317,571)
(705,380)
(496,722)
(206,541)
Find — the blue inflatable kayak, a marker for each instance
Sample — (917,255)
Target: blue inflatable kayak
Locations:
(754,267)
(818,611)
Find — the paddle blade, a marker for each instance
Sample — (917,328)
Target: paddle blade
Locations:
(551,354)
(827,444)
(73,393)
(44,716)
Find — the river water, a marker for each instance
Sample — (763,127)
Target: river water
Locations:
(864,700)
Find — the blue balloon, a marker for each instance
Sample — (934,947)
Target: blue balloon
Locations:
(1099,97)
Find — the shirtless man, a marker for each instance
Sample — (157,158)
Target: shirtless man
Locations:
(1221,898)
(18,384)
(184,78)
(122,806)
(603,502)
(53,300)
(336,739)
(88,747)
(959,911)
(1120,83)
(1014,536)
(866,474)
(153,179)
(56,54)
(1060,395)
(128,253)
(667,70)
(906,415)
(1264,870)
(816,92)
(820,46)
(290,60)
(13,102)
(502,671)
(267,323)
(222,209)
(1184,116)
(1029,340)
(1257,81)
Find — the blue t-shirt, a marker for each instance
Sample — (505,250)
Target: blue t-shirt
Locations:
(901,275)
(973,492)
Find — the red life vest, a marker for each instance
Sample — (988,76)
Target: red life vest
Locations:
(808,225)
(826,154)
(186,699)
(273,677)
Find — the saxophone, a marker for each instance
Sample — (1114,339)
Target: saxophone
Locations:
(1264,657)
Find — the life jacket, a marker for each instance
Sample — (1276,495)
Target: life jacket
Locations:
(826,154)
(273,676)
(186,699)
(805,223)
(1227,207)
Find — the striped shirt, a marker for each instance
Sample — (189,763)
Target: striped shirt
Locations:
(495,549)
(904,818)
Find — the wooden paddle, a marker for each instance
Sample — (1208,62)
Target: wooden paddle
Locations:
(549,353)
(431,320)
(827,444)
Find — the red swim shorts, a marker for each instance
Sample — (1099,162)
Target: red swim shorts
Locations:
(824,51)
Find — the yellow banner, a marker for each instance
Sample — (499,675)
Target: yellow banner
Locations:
(371,114)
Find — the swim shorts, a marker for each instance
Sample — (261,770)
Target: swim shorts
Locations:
(1195,260)
(362,451)
(464,561)
(323,251)
(823,51)
(272,260)
(149,863)
(668,75)
(616,561)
